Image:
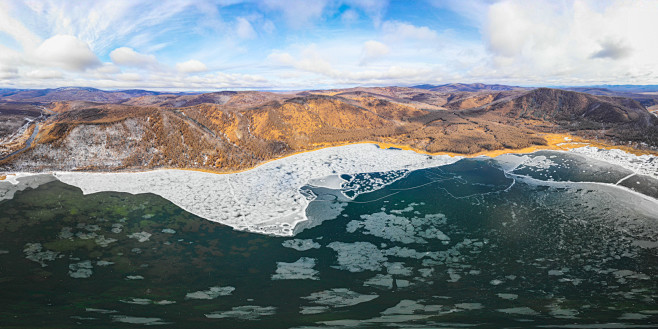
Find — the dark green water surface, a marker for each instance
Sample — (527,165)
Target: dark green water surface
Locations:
(463,245)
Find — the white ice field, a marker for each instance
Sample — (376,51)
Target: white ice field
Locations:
(267,199)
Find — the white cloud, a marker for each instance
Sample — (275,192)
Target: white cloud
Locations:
(298,13)
(129,76)
(373,50)
(191,66)
(575,42)
(16,29)
(244,28)
(126,56)
(108,68)
(401,31)
(349,16)
(44,74)
(373,8)
(8,72)
(68,52)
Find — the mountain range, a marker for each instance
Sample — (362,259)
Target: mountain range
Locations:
(91,129)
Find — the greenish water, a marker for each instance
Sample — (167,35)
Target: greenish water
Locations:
(460,245)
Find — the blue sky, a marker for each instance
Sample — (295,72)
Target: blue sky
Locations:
(303,44)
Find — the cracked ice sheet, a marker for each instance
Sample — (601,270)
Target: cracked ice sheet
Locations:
(265,199)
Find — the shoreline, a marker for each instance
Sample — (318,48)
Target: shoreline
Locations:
(266,198)
(555,142)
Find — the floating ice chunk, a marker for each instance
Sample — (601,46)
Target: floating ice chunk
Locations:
(211,293)
(103,263)
(66,233)
(81,270)
(313,309)
(387,282)
(100,310)
(398,268)
(563,313)
(146,301)
(387,226)
(495,282)
(301,244)
(34,252)
(426,272)
(140,236)
(519,311)
(117,228)
(134,277)
(470,306)
(302,269)
(406,306)
(454,277)
(103,241)
(381,281)
(409,208)
(400,229)
(3,252)
(138,320)
(538,162)
(628,274)
(244,312)
(168,231)
(137,301)
(508,296)
(358,256)
(86,236)
(339,297)
(633,316)
(92,227)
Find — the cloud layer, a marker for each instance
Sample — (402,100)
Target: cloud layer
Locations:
(276,44)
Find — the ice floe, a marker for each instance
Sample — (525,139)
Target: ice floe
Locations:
(313,309)
(339,297)
(146,301)
(35,253)
(508,296)
(386,282)
(406,306)
(211,293)
(301,244)
(138,320)
(358,256)
(244,312)
(81,270)
(518,311)
(400,229)
(134,277)
(140,236)
(302,269)
(265,199)
(100,310)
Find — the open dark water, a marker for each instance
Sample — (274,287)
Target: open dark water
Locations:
(551,244)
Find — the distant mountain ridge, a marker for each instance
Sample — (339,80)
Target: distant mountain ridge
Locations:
(74,94)
(467,87)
